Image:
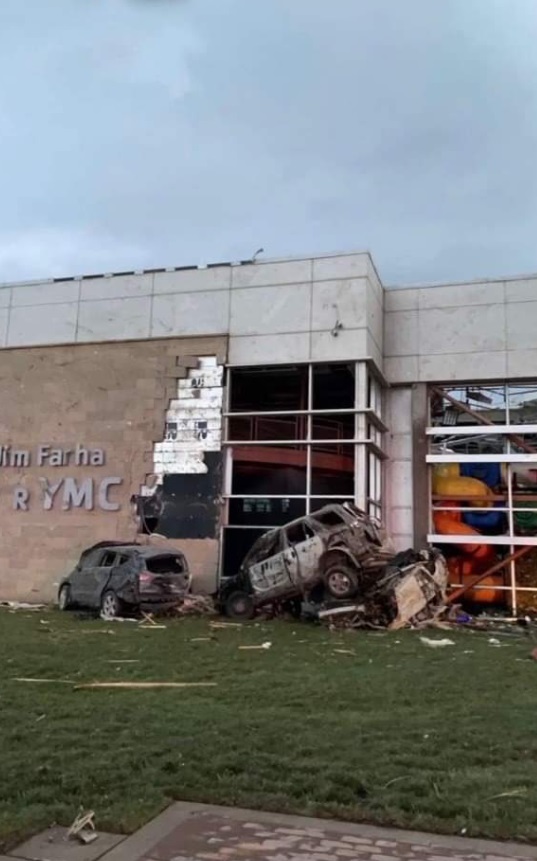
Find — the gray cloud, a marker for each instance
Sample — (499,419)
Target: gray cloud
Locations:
(165,132)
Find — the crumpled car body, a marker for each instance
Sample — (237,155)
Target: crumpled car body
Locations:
(337,549)
(411,591)
(113,576)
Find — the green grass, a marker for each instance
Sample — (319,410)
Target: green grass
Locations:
(395,733)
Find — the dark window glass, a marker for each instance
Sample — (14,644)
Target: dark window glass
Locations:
(236,544)
(332,469)
(333,387)
(332,426)
(245,511)
(268,470)
(267,428)
(273,388)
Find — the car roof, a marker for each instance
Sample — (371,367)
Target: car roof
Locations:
(129,547)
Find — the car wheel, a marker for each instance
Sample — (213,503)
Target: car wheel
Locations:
(239,606)
(341,581)
(110,605)
(64,597)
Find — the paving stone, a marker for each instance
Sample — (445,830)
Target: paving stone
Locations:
(198,833)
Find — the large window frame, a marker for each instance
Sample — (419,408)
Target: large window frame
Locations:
(509,436)
(366,443)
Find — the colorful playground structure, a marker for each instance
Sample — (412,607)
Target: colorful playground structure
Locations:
(471,487)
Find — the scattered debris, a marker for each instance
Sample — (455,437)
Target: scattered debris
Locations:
(224,625)
(437,644)
(262,646)
(124,661)
(494,642)
(196,605)
(344,652)
(21,605)
(40,718)
(83,828)
(511,793)
(143,685)
(47,681)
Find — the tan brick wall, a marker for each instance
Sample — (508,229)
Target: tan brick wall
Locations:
(111,396)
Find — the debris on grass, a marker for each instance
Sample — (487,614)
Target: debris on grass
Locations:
(437,644)
(21,605)
(223,625)
(511,793)
(143,685)
(123,661)
(46,681)
(344,652)
(262,646)
(83,828)
(196,605)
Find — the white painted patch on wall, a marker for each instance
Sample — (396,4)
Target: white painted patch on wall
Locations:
(193,421)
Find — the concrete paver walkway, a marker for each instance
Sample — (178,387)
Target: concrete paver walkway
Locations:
(196,832)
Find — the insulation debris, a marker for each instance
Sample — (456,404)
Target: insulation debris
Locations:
(252,648)
(143,685)
(437,644)
(83,828)
(21,605)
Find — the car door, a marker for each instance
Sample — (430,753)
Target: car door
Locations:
(269,577)
(97,576)
(80,579)
(304,548)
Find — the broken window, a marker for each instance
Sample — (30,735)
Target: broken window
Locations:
(165,564)
(296,437)
(328,518)
(482,458)
(298,532)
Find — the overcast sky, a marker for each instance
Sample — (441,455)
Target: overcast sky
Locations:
(147,133)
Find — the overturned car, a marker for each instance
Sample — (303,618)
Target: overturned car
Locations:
(334,553)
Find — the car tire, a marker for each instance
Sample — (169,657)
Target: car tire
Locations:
(239,606)
(64,598)
(341,581)
(110,605)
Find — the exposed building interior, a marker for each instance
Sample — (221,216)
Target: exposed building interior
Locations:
(483,481)
(296,438)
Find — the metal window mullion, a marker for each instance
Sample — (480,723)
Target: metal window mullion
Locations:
(360,451)
(308,434)
(481,430)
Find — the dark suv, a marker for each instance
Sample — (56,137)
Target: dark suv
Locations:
(113,577)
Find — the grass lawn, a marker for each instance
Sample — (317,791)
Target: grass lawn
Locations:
(394,733)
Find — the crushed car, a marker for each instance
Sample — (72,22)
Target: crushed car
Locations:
(115,578)
(336,552)
(411,591)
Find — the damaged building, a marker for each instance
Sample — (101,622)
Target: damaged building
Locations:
(202,406)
